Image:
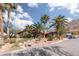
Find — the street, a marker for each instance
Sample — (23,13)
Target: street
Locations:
(68,47)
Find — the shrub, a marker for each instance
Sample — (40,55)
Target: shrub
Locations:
(50,37)
(12,40)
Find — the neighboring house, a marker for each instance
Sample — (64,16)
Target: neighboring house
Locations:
(46,34)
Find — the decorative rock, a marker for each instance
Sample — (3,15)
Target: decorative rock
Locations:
(45,41)
(25,44)
(3,47)
(18,39)
(1,40)
(20,44)
(29,44)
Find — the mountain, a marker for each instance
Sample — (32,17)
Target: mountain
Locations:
(74,25)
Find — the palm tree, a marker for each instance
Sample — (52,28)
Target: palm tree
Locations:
(44,19)
(37,28)
(29,29)
(59,23)
(9,7)
(1,21)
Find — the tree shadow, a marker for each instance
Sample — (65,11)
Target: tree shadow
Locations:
(41,51)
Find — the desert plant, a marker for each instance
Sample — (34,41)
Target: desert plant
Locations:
(11,40)
(50,37)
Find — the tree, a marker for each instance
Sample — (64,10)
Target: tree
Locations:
(44,19)
(1,22)
(29,29)
(59,23)
(37,29)
(9,7)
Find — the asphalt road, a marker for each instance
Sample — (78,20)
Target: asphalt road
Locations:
(68,47)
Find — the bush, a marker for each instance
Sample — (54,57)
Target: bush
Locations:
(50,37)
(11,40)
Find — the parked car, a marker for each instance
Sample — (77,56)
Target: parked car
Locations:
(70,36)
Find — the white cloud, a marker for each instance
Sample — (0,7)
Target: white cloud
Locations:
(19,20)
(53,5)
(5,16)
(32,5)
(69,19)
(19,8)
(20,23)
(72,7)
(19,15)
(26,15)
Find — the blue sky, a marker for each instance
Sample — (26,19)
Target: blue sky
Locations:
(36,12)
(43,8)
(29,13)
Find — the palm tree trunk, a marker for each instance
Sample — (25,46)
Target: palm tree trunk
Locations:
(1,24)
(44,35)
(58,35)
(8,23)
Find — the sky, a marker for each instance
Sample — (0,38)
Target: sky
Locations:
(29,13)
